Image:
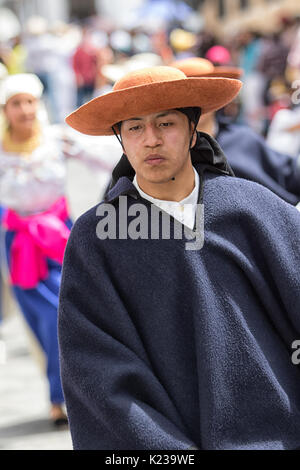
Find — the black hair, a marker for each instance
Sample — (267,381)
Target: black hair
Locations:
(193,113)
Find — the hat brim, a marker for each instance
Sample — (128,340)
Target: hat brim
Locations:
(226,72)
(99,115)
(220,71)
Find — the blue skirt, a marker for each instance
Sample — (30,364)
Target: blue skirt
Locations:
(40,308)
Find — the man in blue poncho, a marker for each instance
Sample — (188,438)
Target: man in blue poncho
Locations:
(247,152)
(179,336)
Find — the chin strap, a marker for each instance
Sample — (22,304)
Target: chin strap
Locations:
(119,139)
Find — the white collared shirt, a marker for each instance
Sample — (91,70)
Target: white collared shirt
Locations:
(184,211)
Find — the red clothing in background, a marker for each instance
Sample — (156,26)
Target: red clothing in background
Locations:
(85,64)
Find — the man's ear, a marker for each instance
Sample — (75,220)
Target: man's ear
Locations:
(193,136)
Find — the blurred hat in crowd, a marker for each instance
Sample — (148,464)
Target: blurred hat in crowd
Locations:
(181,40)
(148,91)
(3,71)
(114,72)
(141,43)
(20,83)
(120,40)
(59,28)
(36,25)
(218,55)
(199,67)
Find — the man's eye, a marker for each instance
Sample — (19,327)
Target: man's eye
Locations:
(165,124)
(134,128)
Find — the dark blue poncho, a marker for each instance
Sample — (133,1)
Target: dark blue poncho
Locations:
(168,348)
(250,157)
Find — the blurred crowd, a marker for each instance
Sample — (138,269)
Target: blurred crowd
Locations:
(71,60)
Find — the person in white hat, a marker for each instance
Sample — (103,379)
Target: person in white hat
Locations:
(35,215)
(32,178)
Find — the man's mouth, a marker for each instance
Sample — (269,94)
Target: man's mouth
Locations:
(154,159)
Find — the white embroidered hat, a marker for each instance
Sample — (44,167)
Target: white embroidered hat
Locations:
(20,83)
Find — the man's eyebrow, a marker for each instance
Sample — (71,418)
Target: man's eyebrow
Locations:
(166,113)
(133,119)
(162,114)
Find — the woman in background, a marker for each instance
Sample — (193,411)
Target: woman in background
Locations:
(35,218)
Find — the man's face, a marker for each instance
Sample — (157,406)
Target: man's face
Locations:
(158,145)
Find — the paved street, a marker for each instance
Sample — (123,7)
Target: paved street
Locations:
(24,406)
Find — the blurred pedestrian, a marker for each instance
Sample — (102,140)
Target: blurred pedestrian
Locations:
(218,55)
(272,64)
(17,56)
(64,38)
(254,82)
(85,61)
(41,53)
(273,58)
(3,74)
(284,132)
(35,219)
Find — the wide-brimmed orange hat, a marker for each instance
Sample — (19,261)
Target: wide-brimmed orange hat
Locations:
(148,91)
(199,67)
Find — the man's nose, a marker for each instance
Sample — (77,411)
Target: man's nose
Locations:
(152,136)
